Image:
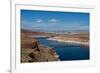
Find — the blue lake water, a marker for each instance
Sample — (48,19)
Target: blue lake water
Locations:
(67,51)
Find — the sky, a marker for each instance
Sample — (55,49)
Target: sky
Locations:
(54,21)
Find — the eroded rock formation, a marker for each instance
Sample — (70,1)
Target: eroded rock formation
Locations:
(39,53)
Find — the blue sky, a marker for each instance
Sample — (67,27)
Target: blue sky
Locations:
(54,21)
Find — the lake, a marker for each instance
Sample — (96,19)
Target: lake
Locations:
(67,51)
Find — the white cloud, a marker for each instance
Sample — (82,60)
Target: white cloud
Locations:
(53,20)
(39,20)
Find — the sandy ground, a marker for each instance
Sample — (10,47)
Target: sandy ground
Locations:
(69,41)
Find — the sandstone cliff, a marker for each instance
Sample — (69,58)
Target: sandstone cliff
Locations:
(32,51)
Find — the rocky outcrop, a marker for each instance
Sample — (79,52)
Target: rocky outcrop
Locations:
(39,53)
(35,44)
(32,51)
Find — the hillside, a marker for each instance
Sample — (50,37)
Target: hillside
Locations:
(32,51)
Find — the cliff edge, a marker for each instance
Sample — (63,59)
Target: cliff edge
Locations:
(32,51)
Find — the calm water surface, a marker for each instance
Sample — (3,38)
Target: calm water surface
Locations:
(67,51)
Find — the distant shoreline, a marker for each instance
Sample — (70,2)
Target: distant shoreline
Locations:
(70,41)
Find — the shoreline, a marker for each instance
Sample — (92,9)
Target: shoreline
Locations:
(69,41)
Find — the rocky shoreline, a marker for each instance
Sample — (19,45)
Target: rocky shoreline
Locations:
(32,51)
